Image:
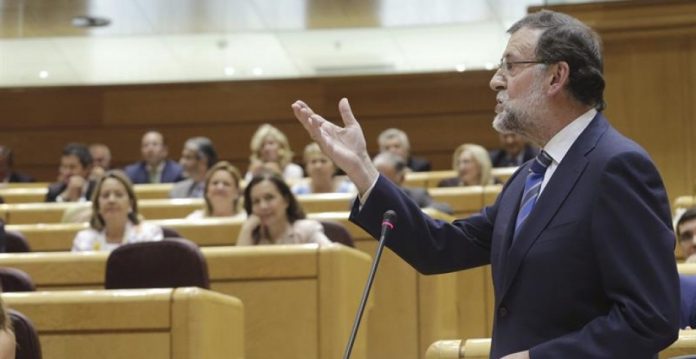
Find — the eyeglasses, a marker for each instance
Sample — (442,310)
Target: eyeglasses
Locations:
(506,66)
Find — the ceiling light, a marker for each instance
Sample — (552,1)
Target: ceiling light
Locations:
(43,74)
(90,21)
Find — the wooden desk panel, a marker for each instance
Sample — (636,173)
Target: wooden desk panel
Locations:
(153,323)
(424,307)
(301,296)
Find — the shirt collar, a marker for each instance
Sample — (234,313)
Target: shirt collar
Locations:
(560,143)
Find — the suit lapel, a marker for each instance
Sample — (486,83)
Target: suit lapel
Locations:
(552,197)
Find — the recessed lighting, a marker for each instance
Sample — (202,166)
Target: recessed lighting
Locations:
(460,67)
(257,71)
(229,71)
(43,74)
(90,21)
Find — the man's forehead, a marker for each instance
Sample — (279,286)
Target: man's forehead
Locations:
(687,225)
(522,42)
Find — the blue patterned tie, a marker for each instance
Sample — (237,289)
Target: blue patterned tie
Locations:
(531,188)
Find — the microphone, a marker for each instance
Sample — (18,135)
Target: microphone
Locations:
(388,222)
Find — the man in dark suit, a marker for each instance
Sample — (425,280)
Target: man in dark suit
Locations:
(7,172)
(514,151)
(393,168)
(155,167)
(396,141)
(579,239)
(73,176)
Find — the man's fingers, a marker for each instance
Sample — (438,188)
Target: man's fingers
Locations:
(346,113)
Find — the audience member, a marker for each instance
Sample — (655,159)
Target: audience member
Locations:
(101,160)
(222,192)
(473,167)
(396,141)
(8,342)
(514,152)
(275,216)
(197,157)
(687,317)
(115,219)
(393,167)
(322,174)
(154,167)
(270,150)
(686,233)
(73,184)
(7,172)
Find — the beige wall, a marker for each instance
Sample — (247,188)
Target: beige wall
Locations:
(650,65)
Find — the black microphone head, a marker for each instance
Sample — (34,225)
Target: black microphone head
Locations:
(390,217)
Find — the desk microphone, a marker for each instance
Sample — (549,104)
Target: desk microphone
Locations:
(388,221)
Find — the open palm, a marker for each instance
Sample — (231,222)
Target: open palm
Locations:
(344,145)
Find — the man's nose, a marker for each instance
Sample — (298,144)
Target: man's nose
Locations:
(497,82)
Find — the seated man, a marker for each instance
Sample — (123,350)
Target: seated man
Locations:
(393,167)
(7,172)
(73,184)
(197,157)
(686,231)
(688,301)
(514,152)
(395,141)
(101,160)
(155,167)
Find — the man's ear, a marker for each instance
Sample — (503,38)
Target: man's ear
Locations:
(559,77)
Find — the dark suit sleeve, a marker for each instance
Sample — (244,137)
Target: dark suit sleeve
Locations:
(634,245)
(430,246)
(53,191)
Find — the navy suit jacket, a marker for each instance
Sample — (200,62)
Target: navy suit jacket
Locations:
(138,173)
(591,273)
(688,301)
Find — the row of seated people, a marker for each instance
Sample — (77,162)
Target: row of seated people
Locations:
(80,166)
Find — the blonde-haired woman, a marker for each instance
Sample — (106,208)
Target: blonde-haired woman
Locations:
(473,166)
(115,218)
(270,150)
(221,192)
(321,172)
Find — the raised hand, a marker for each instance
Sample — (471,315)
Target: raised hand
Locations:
(344,145)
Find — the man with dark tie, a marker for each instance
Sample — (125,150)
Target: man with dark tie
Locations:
(580,238)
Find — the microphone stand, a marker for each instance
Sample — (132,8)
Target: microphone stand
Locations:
(387,225)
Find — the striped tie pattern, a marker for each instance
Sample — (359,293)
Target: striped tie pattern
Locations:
(531,187)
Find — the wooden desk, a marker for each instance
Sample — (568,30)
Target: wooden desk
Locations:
(183,323)
(425,308)
(299,301)
(153,190)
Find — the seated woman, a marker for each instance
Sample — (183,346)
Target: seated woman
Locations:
(275,216)
(270,150)
(321,171)
(8,342)
(473,166)
(115,218)
(221,193)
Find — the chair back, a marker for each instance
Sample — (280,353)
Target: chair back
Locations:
(336,232)
(169,263)
(15,280)
(28,345)
(16,242)
(169,232)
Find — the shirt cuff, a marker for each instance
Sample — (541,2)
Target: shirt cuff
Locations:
(363,198)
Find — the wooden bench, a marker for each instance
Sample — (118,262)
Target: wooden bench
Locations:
(480,348)
(425,308)
(299,301)
(183,323)
(468,200)
(432,179)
